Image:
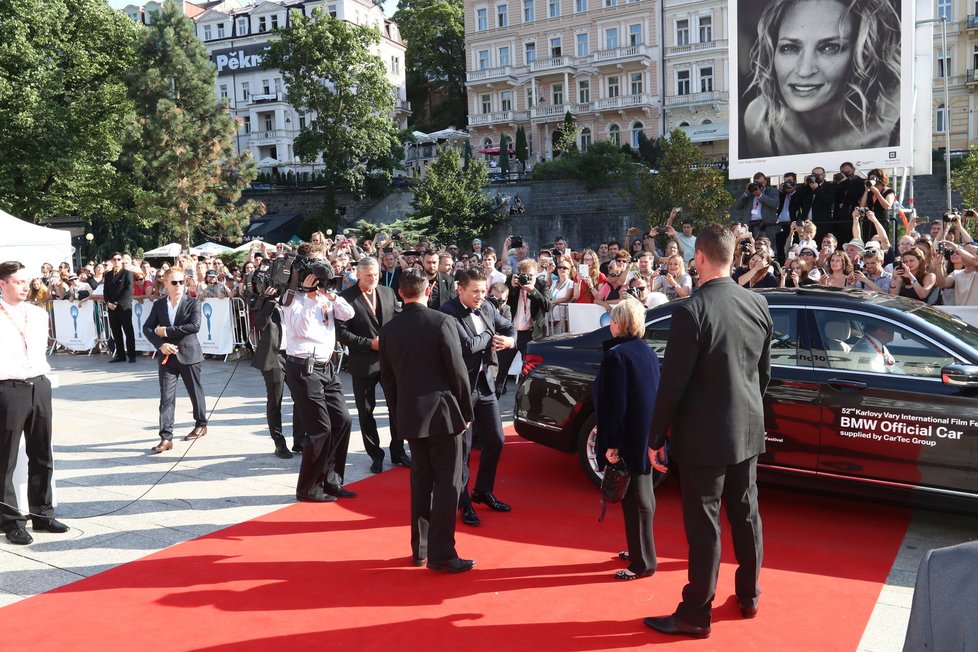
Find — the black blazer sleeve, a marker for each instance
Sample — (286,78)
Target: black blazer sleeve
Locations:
(502,324)
(458,375)
(387,380)
(470,343)
(682,345)
(152,321)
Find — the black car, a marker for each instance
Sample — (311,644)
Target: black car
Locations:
(839,415)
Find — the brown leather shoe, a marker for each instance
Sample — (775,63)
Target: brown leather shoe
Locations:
(196,433)
(164,445)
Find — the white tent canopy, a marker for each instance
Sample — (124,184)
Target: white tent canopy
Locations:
(166,251)
(33,245)
(210,248)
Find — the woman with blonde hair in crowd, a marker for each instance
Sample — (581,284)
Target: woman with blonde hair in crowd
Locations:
(675,283)
(586,289)
(38,292)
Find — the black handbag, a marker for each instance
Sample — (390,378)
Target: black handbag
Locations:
(613,485)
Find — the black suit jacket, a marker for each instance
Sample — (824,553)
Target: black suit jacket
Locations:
(538,300)
(118,288)
(716,371)
(268,324)
(477,350)
(423,374)
(818,201)
(182,333)
(442,291)
(358,331)
(794,205)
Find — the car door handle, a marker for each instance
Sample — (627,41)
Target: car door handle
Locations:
(846,385)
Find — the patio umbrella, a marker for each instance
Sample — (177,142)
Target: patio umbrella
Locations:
(246,246)
(166,251)
(494,150)
(210,248)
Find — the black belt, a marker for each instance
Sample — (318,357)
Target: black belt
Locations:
(316,365)
(19,381)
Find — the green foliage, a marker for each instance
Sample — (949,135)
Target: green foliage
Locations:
(504,155)
(450,202)
(649,151)
(63,106)
(566,142)
(683,180)
(181,157)
(434,31)
(597,167)
(410,229)
(329,69)
(964,179)
(522,147)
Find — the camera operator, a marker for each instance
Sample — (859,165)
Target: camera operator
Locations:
(442,285)
(816,198)
(530,306)
(763,205)
(962,278)
(310,328)
(878,196)
(849,191)
(953,227)
(790,212)
(872,276)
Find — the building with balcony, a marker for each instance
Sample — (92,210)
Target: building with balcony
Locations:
(529,62)
(425,148)
(237,37)
(960,63)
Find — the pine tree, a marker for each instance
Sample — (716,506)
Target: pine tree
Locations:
(182,153)
(522,148)
(453,200)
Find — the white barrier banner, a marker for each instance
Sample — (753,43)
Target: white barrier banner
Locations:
(216,332)
(74,325)
(586,317)
(140,311)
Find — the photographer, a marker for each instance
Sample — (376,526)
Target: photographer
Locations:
(310,329)
(639,289)
(796,274)
(763,205)
(789,210)
(673,282)
(816,196)
(212,287)
(911,278)
(530,306)
(849,191)
(878,196)
(868,215)
(962,279)
(872,276)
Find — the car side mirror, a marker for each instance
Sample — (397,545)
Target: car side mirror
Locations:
(960,375)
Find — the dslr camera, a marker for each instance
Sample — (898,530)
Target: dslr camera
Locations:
(787,186)
(633,292)
(811,178)
(752,187)
(744,246)
(524,279)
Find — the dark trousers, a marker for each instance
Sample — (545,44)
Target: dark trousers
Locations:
(120,322)
(703,487)
(365,396)
(485,409)
(506,357)
(638,508)
(190,373)
(274,391)
(25,408)
(436,478)
(778,243)
(319,399)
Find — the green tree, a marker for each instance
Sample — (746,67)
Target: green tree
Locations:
(963,179)
(566,142)
(188,178)
(63,105)
(435,61)
(504,155)
(453,201)
(522,148)
(330,70)
(596,168)
(683,180)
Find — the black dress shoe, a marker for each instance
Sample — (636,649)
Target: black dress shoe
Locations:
(469,517)
(490,501)
(748,612)
(131,360)
(674,627)
(111,360)
(48,525)
(282,451)
(403,460)
(319,497)
(377,466)
(454,566)
(418,561)
(296,448)
(19,536)
(339,492)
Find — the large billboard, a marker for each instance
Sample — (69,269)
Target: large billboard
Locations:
(819,82)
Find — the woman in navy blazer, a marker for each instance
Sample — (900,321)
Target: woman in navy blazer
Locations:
(624,397)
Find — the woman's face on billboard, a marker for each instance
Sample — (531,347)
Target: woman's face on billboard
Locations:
(813,54)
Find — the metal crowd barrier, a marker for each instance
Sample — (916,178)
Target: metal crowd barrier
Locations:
(241,323)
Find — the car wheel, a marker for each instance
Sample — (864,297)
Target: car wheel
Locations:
(585,448)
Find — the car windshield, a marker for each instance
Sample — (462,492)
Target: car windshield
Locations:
(950,324)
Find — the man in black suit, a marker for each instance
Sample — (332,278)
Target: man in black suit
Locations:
(373,306)
(529,304)
(816,198)
(172,328)
(431,405)
(483,332)
(118,301)
(711,396)
(790,212)
(442,285)
(849,191)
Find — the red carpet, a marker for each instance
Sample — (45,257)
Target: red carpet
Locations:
(338,576)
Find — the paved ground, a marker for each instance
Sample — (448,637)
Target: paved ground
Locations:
(106,421)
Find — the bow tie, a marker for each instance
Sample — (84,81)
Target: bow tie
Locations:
(474,311)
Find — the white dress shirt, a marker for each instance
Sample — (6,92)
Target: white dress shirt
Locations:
(171,309)
(310,325)
(20,358)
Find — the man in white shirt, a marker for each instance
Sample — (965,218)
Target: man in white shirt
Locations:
(25,403)
(309,322)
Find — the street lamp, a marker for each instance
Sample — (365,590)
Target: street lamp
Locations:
(88,237)
(947,103)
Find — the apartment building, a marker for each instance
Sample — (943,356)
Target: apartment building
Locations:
(529,62)
(959,63)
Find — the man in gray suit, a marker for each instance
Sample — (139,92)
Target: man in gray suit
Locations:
(716,371)
(945,600)
(762,202)
(428,398)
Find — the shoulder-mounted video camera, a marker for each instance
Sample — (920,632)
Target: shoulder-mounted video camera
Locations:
(286,274)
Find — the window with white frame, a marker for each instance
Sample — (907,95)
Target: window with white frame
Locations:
(580,6)
(940,118)
(208,33)
(706,28)
(246,123)
(943,62)
(266,87)
(331,9)
(302,120)
(585,139)
(528,11)
(274,21)
(502,15)
(555,50)
(242,26)
(635,34)
(611,38)
(682,32)
(486,100)
(530,100)
(482,19)
(531,52)
(278,86)
(504,56)
(506,101)
(395,65)
(557,94)
(706,79)
(614,134)
(944,9)
(635,83)
(220,30)
(553,8)
(582,45)
(245,91)
(262,24)
(483,59)
(269,121)
(637,128)
(610,3)
(224,91)
(614,86)
(682,82)
(584,91)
